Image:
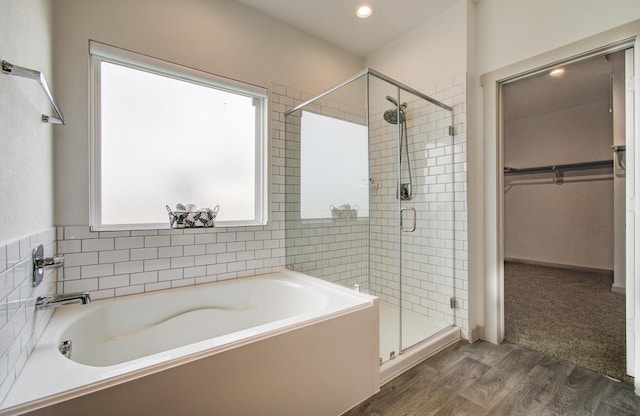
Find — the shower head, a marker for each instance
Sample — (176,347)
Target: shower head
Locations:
(391,116)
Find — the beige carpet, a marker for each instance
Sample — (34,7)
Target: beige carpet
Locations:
(568,314)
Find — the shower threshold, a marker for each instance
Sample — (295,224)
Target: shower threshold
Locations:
(425,337)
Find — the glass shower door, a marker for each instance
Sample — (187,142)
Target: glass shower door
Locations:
(385,214)
(426,197)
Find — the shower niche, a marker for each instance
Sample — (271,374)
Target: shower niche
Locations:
(370,198)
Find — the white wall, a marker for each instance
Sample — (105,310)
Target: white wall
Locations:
(570,135)
(567,224)
(26,200)
(26,180)
(432,52)
(218,36)
(513,30)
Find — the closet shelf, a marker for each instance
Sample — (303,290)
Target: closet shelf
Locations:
(556,168)
(10,69)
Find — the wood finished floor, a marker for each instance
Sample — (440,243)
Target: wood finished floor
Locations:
(485,379)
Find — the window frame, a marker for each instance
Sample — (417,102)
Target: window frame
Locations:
(99,52)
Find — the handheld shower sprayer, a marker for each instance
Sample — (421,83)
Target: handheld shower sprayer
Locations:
(394,116)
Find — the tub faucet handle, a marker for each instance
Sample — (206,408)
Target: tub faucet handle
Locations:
(42,263)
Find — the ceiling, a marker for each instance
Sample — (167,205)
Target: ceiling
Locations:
(335,21)
(583,82)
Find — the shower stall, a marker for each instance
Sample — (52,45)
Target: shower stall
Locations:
(370,203)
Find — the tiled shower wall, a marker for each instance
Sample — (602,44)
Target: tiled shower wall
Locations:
(434,256)
(20,324)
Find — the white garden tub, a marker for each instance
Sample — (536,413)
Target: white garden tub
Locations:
(282,343)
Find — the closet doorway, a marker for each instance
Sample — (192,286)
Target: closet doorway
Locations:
(564,232)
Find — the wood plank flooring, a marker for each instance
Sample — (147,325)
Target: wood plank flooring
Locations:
(484,379)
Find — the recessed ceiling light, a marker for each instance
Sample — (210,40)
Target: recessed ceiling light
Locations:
(556,72)
(364,11)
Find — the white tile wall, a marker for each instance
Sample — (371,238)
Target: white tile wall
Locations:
(109,266)
(20,324)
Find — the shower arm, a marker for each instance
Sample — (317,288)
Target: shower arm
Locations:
(401,120)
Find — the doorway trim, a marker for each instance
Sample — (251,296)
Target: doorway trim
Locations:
(490,244)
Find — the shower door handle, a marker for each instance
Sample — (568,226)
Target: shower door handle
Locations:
(411,228)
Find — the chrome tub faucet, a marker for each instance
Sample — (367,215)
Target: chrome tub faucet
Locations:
(53,301)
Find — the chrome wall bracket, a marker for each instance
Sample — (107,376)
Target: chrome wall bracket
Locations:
(10,69)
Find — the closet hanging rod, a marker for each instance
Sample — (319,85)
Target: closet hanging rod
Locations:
(10,69)
(554,168)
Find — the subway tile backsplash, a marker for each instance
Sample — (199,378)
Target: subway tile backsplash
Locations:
(109,266)
(20,324)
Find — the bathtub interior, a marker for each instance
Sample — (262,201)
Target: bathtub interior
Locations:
(126,338)
(117,332)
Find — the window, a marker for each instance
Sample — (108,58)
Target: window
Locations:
(163,134)
(334,168)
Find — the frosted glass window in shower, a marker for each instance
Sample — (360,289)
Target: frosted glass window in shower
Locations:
(334,168)
(168,139)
